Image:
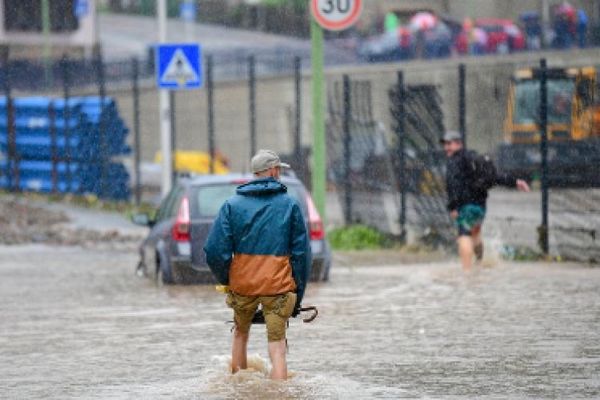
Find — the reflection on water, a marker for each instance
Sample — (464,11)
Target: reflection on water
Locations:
(78,324)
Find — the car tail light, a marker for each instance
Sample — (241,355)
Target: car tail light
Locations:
(181,229)
(317,232)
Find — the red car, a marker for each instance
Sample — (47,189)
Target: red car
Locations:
(502,36)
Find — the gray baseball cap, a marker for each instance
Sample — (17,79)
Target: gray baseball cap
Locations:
(265,159)
(451,136)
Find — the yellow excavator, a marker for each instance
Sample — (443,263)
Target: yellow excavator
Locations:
(573,126)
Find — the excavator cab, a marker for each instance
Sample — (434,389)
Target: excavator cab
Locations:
(571,95)
(573,124)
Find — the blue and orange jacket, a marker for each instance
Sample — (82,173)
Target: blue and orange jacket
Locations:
(258,245)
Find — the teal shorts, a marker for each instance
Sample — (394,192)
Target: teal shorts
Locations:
(470,217)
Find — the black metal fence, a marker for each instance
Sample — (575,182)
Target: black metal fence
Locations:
(360,159)
(64,143)
(574,223)
(395,180)
(66,79)
(419,124)
(394,184)
(37,75)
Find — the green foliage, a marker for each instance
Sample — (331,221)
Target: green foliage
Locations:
(520,253)
(356,237)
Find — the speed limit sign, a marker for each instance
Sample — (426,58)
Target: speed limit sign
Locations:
(336,15)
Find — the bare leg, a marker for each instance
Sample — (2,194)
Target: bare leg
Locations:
(278,360)
(239,357)
(465,251)
(477,243)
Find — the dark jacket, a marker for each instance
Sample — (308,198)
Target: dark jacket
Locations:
(459,176)
(258,244)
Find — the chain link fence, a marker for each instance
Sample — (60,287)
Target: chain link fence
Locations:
(560,216)
(360,159)
(213,121)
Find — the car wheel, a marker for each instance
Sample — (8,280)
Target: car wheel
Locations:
(163,274)
(326,272)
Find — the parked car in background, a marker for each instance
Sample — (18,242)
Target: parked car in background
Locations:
(437,41)
(502,36)
(390,46)
(173,250)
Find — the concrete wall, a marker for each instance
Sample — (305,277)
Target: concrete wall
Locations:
(487,87)
(487,84)
(274,119)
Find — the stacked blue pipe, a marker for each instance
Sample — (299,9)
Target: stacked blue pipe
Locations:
(69,146)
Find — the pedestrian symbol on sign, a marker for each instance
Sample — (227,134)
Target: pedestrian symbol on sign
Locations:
(179,66)
(179,71)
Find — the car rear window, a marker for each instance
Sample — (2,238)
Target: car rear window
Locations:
(210,198)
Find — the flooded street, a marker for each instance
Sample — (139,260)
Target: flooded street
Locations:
(77,323)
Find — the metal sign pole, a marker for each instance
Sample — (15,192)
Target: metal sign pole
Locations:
(47,52)
(318,173)
(331,16)
(164,109)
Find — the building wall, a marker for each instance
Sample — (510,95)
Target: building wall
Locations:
(84,37)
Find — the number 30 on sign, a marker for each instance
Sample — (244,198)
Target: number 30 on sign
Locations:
(336,15)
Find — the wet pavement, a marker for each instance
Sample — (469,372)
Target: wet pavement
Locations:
(77,323)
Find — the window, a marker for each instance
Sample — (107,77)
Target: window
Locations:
(210,198)
(170,205)
(560,99)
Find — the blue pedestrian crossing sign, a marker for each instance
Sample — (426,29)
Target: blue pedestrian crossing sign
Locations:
(178,66)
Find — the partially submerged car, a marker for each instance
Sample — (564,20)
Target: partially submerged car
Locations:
(173,250)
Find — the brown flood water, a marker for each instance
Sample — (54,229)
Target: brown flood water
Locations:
(77,323)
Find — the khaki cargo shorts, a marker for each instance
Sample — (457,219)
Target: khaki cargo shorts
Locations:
(276,309)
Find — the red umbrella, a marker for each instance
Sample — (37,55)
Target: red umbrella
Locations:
(423,21)
(566,9)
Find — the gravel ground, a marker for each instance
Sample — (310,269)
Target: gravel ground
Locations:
(24,220)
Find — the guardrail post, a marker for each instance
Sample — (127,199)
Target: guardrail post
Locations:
(53,145)
(211,112)
(401,137)
(544,228)
(136,129)
(252,102)
(347,150)
(462,103)
(298,115)
(12,166)
(64,66)
(7,94)
(104,157)
(172,116)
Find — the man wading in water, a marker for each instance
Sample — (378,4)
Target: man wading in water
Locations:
(469,176)
(259,246)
